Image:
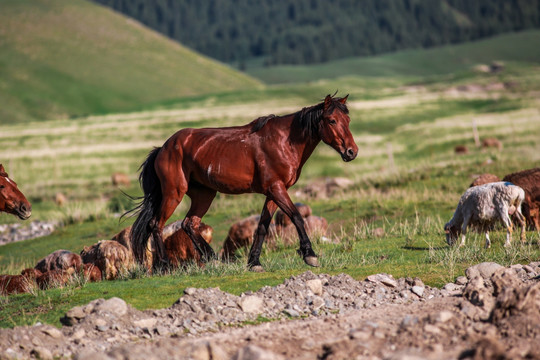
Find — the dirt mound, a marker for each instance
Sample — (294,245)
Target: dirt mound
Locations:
(493,313)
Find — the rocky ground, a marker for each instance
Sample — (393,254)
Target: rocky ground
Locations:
(492,313)
(17,232)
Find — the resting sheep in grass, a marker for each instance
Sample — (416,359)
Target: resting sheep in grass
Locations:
(482,206)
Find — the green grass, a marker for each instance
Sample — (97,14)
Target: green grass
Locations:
(60,59)
(411,63)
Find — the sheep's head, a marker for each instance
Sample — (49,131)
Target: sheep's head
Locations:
(452,233)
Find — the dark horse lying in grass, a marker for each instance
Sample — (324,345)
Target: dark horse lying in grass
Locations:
(265,156)
(12,199)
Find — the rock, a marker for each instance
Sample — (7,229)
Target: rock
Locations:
(190,291)
(73,316)
(461,280)
(252,352)
(114,306)
(53,332)
(42,353)
(315,286)
(443,316)
(145,323)
(251,304)
(418,290)
(385,279)
(484,270)
(291,312)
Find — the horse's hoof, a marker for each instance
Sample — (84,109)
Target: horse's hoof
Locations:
(257,269)
(312,261)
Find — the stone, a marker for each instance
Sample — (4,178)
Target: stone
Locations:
(114,306)
(315,286)
(42,353)
(53,332)
(145,323)
(252,352)
(190,291)
(418,290)
(251,304)
(484,270)
(461,280)
(385,279)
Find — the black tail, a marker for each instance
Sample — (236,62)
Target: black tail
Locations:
(148,208)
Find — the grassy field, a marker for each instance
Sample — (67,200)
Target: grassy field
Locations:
(417,62)
(60,59)
(407,181)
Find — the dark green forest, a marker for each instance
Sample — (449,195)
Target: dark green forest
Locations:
(314,31)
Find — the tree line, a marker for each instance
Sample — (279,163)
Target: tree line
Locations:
(314,31)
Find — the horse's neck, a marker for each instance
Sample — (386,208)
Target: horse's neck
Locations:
(303,144)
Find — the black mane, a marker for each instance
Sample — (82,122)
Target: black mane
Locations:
(307,119)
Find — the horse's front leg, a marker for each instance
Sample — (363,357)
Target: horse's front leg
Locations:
(279,194)
(260,234)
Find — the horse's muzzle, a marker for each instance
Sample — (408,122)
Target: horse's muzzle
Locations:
(349,155)
(24,211)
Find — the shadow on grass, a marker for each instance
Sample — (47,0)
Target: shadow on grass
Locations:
(422,248)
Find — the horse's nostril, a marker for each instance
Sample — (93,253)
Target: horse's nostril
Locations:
(350,152)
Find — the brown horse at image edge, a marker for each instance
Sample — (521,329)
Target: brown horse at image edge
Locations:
(265,156)
(12,199)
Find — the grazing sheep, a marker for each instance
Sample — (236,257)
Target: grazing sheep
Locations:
(91,273)
(482,206)
(17,284)
(59,260)
(54,278)
(284,220)
(485,179)
(180,249)
(529,181)
(492,142)
(315,225)
(119,178)
(461,149)
(241,233)
(240,236)
(111,257)
(60,199)
(123,237)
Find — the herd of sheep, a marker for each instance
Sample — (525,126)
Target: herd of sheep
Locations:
(488,201)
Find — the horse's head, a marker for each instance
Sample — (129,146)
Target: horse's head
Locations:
(12,200)
(334,127)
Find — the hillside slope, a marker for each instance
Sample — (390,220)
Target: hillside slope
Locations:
(67,58)
(520,47)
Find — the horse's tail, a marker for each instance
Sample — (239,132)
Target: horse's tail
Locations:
(148,208)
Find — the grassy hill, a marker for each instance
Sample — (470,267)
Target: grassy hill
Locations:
(522,47)
(68,58)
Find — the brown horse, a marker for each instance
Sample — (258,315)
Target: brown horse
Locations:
(12,200)
(265,156)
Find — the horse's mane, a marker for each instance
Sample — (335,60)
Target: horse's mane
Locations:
(259,123)
(307,119)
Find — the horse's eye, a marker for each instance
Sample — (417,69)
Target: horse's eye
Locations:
(332,122)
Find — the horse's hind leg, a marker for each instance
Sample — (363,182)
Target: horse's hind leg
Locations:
(254,263)
(201,199)
(279,195)
(173,189)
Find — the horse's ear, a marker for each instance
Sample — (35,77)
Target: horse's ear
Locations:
(343,100)
(327,102)
(2,169)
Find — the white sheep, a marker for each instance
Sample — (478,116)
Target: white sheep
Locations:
(481,206)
